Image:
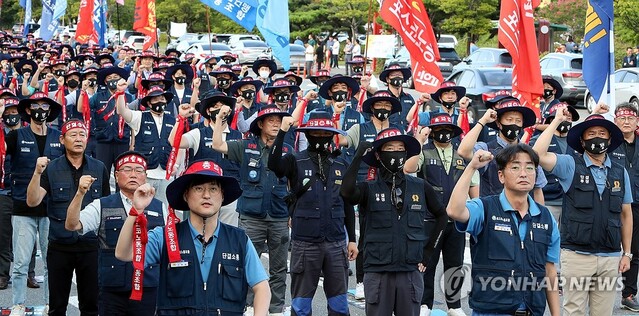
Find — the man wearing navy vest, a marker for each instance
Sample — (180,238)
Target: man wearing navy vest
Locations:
(395,76)
(627,155)
(596,232)
(441,166)
(25,145)
(394,206)
(105,217)
(320,220)
(151,130)
(262,206)
(206,267)
(224,78)
(201,139)
(509,117)
(246,92)
(448,95)
(68,252)
(515,241)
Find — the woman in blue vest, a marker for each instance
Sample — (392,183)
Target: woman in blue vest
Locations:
(515,240)
(596,230)
(394,206)
(181,75)
(319,215)
(151,130)
(206,267)
(104,217)
(441,166)
(448,95)
(394,75)
(199,140)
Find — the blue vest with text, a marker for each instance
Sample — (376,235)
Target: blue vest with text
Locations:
(155,147)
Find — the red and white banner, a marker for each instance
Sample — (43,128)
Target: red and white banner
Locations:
(85,27)
(411,21)
(145,22)
(517,34)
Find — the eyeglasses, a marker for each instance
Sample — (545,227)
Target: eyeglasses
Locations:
(626,118)
(128,170)
(516,169)
(35,106)
(200,189)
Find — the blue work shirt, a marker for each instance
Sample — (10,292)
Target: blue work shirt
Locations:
(540,179)
(252,265)
(476,223)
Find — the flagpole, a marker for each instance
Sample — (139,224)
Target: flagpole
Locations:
(117,13)
(208,25)
(368,32)
(611,76)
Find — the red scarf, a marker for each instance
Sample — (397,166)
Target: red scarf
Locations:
(14,82)
(140,239)
(108,116)
(181,128)
(303,111)
(361,99)
(412,127)
(45,87)
(3,155)
(170,237)
(86,111)
(465,124)
(235,117)
(59,95)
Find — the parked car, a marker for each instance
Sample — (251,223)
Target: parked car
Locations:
(486,57)
(234,38)
(449,58)
(185,37)
(447,41)
(134,41)
(626,89)
(297,58)
(481,84)
(248,50)
(566,69)
(202,49)
(127,33)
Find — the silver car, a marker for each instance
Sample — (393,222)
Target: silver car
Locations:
(626,89)
(297,58)
(203,49)
(566,69)
(249,50)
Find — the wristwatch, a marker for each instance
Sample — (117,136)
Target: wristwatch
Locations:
(628,254)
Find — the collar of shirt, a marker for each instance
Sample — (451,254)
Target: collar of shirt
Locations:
(533,209)
(84,163)
(126,202)
(502,142)
(589,162)
(455,112)
(195,233)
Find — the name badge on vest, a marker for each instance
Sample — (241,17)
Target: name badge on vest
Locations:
(253,163)
(617,186)
(503,228)
(147,132)
(153,213)
(181,264)
(25,149)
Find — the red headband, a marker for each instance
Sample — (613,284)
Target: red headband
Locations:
(621,113)
(132,158)
(69,125)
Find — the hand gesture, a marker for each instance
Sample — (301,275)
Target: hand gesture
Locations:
(1,106)
(363,148)
(424,97)
(287,122)
(142,197)
(311,95)
(365,82)
(464,103)
(196,82)
(422,135)
(489,117)
(85,84)
(562,113)
(122,85)
(26,76)
(85,183)
(601,108)
(352,251)
(41,164)
(185,110)
(48,77)
(223,114)
(60,81)
(481,158)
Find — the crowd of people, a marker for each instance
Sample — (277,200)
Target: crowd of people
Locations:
(205,156)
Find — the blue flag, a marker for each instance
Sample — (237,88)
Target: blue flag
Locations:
(239,11)
(48,22)
(59,9)
(26,4)
(272,21)
(596,64)
(99,21)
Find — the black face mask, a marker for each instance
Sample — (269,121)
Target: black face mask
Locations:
(511,132)
(381,114)
(42,76)
(282,97)
(72,83)
(548,93)
(442,136)
(93,82)
(39,115)
(113,84)
(321,143)
(223,83)
(158,107)
(11,119)
(358,69)
(180,80)
(392,161)
(564,127)
(213,114)
(59,73)
(448,105)
(26,72)
(340,96)
(248,94)
(596,145)
(320,83)
(396,82)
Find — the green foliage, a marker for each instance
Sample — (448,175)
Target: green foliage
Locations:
(569,12)
(627,21)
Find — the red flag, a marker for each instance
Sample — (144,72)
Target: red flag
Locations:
(85,22)
(145,22)
(517,34)
(411,21)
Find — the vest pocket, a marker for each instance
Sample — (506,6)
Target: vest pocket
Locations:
(232,282)
(251,201)
(112,231)
(584,197)
(614,233)
(306,222)
(180,281)
(541,242)
(491,286)
(112,272)
(381,216)
(416,218)
(579,228)
(378,250)
(503,245)
(415,247)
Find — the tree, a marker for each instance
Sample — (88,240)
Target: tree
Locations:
(569,12)
(316,16)
(627,21)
